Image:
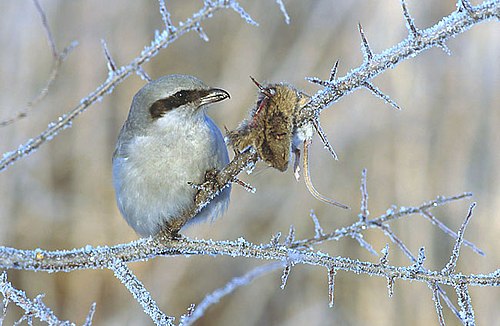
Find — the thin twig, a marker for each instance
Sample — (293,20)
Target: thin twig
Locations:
(32,307)
(437,303)
(230,287)
(452,264)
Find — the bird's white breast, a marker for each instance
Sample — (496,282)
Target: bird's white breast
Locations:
(151,180)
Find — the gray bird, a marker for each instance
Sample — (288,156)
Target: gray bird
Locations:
(166,143)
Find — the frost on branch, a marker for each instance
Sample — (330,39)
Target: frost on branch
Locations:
(437,302)
(324,139)
(197,311)
(465,303)
(292,251)
(243,14)
(428,215)
(365,47)
(165,16)
(331,286)
(318,230)
(283,10)
(410,23)
(378,93)
(286,273)
(452,264)
(364,212)
(109,60)
(139,292)
(450,26)
(33,308)
(90,315)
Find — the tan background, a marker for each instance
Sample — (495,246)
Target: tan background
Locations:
(444,142)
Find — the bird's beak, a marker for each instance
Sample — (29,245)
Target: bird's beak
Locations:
(214,95)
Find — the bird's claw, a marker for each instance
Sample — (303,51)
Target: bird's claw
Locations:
(210,184)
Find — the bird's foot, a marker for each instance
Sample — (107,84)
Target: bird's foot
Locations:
(209,184)
(208,189)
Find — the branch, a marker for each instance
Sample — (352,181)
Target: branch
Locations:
(139,292)
(143,249)
(32,307)
(59,58)
(449,27)
(390,215)
(161,41)
(227,289)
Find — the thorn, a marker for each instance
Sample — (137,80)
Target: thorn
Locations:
(465,4)
(333,72)
(324,138)
(390,286)
(363,243)
(316,80)
(275,239)
(165,16)
(308,181)
(385,254)
(143,74)
(318,230)
(364,198)
(245,185)
(443,47)
(90,315)
(201,32)
(331,286)
(420,259)
(377,92)
(367,52)
(238,9)
(283,11)
(261,88)
(290,239)
(284,276)
(109,59)
(410,23)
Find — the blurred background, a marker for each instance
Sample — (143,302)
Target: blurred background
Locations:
(445,141)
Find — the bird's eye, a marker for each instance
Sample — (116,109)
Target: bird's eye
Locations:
(180,94)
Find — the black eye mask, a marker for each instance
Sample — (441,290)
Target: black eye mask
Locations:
(183,97)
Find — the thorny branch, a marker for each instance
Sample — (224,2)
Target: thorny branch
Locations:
(117,76)
(143,249)
(33,308)
(292,251)
(214,297)
(374,65)
(141,295)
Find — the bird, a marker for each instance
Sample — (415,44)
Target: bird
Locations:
(165,148)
